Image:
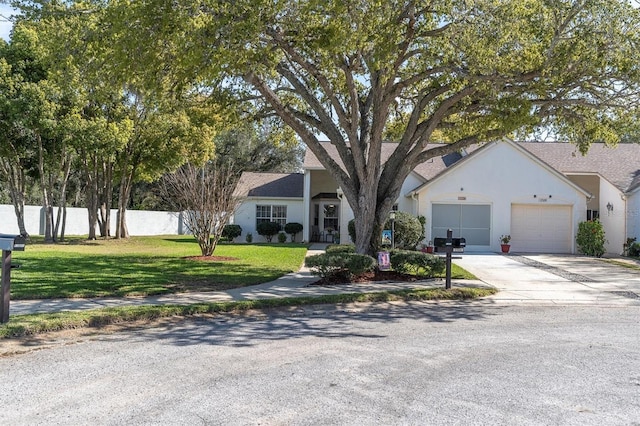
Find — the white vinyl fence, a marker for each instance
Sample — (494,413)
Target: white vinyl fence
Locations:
(139,222)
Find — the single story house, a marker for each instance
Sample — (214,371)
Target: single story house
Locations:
(536,192)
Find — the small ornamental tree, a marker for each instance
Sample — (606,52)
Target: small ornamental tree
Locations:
(591,238)
(268,230)
(293,228)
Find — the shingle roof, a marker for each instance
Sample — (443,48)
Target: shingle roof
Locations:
(427,170)
(620,165)
(280,185)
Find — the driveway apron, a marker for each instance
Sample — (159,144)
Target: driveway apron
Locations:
(554,279)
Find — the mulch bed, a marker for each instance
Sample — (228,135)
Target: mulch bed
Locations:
(366,278)
(211,258)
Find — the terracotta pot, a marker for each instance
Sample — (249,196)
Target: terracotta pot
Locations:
(505,248)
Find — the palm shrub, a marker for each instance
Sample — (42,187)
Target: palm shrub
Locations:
(416,263)
(339,265)
(268,230)
(293,228)
(634,250)
(590,238)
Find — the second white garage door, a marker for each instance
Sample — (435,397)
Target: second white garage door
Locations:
(541,229)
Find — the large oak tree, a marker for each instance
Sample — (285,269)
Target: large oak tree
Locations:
(417,72)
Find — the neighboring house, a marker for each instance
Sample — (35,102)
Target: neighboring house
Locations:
(536,192)
(269,197)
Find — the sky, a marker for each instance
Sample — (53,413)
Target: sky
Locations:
(5,26)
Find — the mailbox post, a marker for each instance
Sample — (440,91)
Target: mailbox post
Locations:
(8,244)
(448,251)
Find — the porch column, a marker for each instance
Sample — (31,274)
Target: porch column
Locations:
(306,206)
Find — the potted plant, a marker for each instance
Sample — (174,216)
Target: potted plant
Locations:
(504,243)
(427,248)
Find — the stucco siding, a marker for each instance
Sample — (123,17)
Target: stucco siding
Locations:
(245,215)
(633,215)
(613,220)
(499,176)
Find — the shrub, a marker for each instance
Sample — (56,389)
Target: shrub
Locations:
(416,263)
(342,265)
(268,229)
(590,238)
(351,229)
(293,228)
(249,237)
(634,250)
(409,231)
(340,248)
(282,237)
(230,232)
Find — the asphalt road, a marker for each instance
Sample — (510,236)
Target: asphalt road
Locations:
(417,363)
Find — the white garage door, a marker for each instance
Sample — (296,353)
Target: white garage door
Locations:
(541,229)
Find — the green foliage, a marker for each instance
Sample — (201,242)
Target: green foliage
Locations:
(339,265)
(249,238)
(293,228)
(416,263)
(351,229)
(340,248)
(282,237)
(407,229)
(268,229)
(634,250)
(591,238)
(230,232)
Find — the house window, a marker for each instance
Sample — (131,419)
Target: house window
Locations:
(592,214)
(331,217)
(276,214)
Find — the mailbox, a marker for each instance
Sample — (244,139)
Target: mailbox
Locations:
(458,244)
(12,242)
(8,243)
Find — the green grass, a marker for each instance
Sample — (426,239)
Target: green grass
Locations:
(23,325)
(457,273)
(142,266)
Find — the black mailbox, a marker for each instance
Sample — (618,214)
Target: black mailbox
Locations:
(12,242)
(458,244)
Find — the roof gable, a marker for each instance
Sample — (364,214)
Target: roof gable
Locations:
(276,185)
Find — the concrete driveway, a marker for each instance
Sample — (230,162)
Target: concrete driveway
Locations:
(554,279)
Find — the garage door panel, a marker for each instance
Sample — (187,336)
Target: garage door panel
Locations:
(473,222)
(545,229)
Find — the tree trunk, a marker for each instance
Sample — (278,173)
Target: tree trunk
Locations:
(15,178)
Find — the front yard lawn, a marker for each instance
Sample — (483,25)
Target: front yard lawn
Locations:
(142,266)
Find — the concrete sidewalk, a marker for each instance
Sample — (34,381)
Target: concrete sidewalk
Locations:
(291,285)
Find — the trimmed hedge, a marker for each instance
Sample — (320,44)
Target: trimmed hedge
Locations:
(416,263)
(231,232)
(268,229)
(340,248)
(340,265)
(634,250)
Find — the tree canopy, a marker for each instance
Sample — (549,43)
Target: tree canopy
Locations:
(418,72)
